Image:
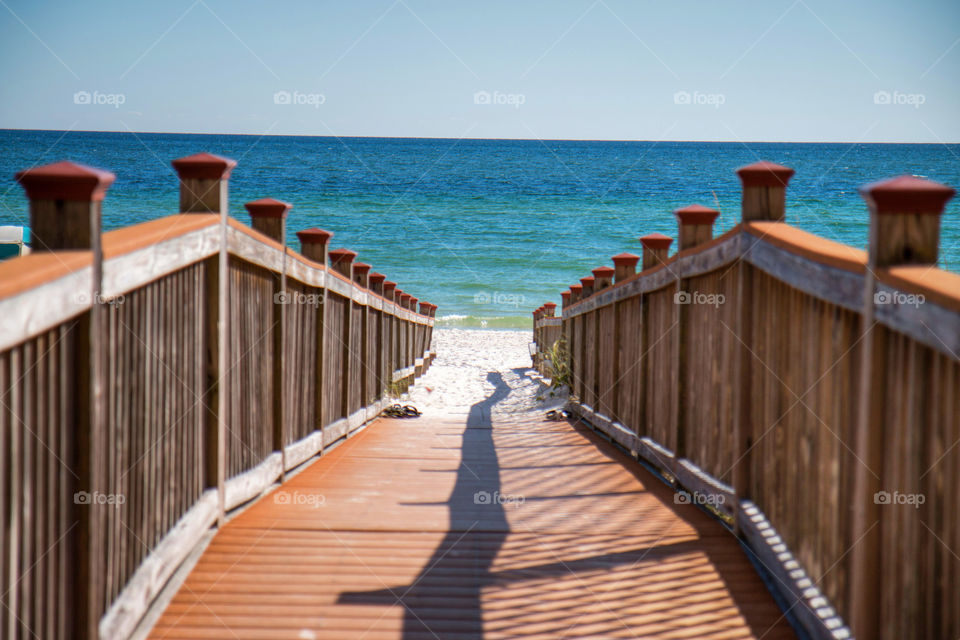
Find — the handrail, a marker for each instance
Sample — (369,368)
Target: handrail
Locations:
(806,389)
(154,377)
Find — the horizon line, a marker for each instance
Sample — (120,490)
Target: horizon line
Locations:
(371,137)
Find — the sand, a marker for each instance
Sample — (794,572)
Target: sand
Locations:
(473,365)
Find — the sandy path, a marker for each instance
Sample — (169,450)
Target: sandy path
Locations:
(461,375)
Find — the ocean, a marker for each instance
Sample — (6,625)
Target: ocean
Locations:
(486,229)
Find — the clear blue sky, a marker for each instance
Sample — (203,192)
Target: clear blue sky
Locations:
(793,70)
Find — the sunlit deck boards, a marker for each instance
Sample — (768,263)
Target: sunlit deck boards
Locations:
(383,538)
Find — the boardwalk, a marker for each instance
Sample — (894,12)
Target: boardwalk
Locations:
(392,535)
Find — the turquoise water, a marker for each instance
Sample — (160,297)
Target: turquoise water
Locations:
(486,229)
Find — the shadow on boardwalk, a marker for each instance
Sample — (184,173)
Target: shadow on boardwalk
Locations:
(475,492)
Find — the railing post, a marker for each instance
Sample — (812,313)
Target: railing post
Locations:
(203,189)
(361,275)
(203,182)
(313,245)
(764,199)
(587,285)
(376,286)
(625,266)
(576,346)
(269,217)
(695,225)
(390,294)
(764,191)
(602,278)
(904,229)
(341,261)
(565,299)
(656,246)
(65,210)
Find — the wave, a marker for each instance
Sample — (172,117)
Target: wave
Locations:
(485,322)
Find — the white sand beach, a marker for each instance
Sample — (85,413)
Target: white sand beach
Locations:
(472,364)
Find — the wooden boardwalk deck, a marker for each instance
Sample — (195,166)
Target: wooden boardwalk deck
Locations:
(392,536)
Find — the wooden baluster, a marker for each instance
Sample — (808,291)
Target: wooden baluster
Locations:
(904,229)
(656,248)
(66,201)
(361,275)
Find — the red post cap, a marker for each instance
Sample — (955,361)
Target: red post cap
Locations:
(656,241)
(626,260)
(565,296)
(550,305)
(313,236)
(576,288)
(377,278)
(389,287)
(696,214)
(765,174)
(907,194)
(65,181)
(204,166)
(603,272)
(413,301)
(268,208)
(361,268)
(338,256)
(587,282)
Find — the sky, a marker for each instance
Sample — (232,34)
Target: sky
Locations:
(784,70)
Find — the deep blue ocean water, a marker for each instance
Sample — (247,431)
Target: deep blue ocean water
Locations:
(486,229)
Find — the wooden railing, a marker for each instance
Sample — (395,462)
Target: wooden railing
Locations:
(155,377)
(806,390)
